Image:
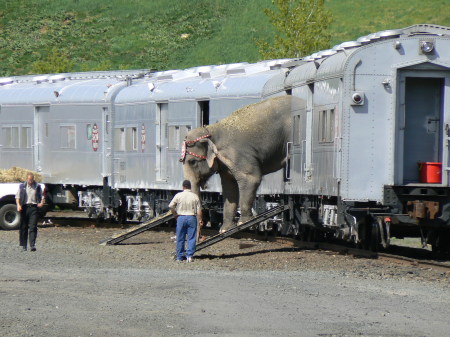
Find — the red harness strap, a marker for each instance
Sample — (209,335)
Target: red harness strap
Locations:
(184,150)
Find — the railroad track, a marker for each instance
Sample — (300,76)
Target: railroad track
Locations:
(344,250)
(444,266)
(399,255)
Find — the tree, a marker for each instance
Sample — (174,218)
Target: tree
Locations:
(56,62)
(301,26)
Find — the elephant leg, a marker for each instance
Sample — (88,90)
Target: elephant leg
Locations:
(248,186)
(230,193)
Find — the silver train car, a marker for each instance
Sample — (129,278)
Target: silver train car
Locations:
(109,142)
(368,159)
(370,156)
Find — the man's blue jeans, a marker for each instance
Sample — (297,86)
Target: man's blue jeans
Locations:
(186,225)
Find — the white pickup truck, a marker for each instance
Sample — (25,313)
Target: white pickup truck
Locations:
(9,217)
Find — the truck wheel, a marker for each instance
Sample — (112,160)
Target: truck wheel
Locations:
(9,217)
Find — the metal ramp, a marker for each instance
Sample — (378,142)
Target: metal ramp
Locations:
(145,226)
(253,221)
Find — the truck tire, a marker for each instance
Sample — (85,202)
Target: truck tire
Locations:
(9,217)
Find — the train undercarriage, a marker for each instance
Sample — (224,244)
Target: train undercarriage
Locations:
(408,211)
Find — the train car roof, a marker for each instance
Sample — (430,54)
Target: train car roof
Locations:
(89,87)
(210,82)
(332,62)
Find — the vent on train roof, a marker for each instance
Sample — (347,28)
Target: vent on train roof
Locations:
(236,71)
(6,80)
(389,33)
(346,45)
(40,79)
(165,77)
(57,78)
(363,40)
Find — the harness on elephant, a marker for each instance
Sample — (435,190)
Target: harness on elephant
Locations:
(185,151)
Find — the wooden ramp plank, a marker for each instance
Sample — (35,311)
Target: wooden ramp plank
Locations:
(253,221)
(145,226)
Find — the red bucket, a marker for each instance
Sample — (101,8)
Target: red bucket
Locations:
(430,173)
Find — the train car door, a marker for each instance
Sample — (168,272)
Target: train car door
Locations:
(203,113)
(294,170)
(308,164)
(105,139)
(161,141)
(422,124)
(41,137)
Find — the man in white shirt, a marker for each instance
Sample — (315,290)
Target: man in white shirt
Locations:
(187,209)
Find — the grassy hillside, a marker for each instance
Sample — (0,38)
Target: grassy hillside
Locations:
(159,34)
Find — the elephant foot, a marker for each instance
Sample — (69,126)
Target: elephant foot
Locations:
(244,219)
(226,227)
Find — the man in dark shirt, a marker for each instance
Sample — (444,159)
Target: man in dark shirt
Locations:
(28,198)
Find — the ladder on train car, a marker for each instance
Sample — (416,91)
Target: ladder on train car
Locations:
(253,221)
(145,226)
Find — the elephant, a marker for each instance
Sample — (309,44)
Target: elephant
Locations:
(249,143)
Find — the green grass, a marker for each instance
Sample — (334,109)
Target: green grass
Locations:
(361,17)
(164,34)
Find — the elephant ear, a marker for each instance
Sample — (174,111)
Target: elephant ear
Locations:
(211,152)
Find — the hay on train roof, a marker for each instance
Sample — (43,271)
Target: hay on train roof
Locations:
(239,119)
(16,175)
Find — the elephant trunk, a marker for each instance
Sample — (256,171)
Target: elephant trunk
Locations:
(195,188)
(195,182)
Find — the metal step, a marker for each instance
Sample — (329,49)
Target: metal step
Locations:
(145,226)
(253,221)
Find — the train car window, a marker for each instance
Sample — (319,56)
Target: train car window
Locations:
(132,139)
(174,135)
(10,136)
(119,139)
(184,129)
(67,136)
(25,137)
(326,126)
(296,136)
(89,131)
(177,133)
(331,126)
(107,123)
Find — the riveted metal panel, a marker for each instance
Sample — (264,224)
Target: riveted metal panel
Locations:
(369,139)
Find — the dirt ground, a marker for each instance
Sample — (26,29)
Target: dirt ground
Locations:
(72,286)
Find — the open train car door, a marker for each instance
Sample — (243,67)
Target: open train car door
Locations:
(423,126)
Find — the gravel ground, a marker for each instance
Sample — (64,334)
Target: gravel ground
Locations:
(72,286)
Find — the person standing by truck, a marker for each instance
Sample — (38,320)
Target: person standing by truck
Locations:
(29,197)
(187,208)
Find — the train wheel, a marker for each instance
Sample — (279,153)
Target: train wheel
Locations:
(441,245)
(374,237)
(369,234)
(364,235)
(309,234)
